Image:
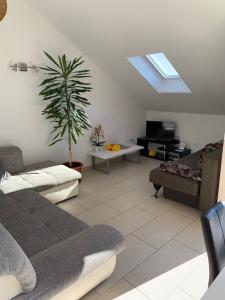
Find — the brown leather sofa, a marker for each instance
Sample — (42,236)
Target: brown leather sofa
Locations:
(199,194)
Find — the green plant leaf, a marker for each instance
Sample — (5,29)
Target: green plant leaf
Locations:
(62,91)
(51,58)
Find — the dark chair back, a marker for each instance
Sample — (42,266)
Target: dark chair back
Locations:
(213,225)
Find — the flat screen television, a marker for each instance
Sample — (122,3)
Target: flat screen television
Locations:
(160,130)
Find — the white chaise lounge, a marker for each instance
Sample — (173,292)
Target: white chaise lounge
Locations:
(52,181)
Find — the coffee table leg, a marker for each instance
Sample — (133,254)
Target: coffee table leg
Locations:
(138,156)
(137,160)
(104,170)
(93,162)
(108,166)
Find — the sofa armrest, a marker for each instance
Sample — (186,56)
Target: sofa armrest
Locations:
(68,261)
(16,272)
(210,179)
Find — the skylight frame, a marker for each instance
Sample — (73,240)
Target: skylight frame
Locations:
(167,64)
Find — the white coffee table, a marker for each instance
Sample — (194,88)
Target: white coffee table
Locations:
(106,156)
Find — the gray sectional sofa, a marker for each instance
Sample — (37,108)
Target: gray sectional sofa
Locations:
(46,253)
(68,257)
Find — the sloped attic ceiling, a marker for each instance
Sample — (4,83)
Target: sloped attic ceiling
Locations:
(191,34)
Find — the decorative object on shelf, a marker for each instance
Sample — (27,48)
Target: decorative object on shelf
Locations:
(23,67)
(182,145)
(112,147)
(63,92)
(3,9)
(152,153)
(97,137)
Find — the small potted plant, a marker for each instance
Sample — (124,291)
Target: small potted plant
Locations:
(63,92)
(97,138)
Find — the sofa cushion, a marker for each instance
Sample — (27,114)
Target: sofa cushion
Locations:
(62,174)
(176,168)
(4,174)
(12,159)
(175,182)
(34,222)
(39,179)
(13,261)
(39,166)
(191,160)
(61,265)
(14,183)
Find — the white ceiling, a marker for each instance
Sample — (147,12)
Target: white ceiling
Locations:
(191,33)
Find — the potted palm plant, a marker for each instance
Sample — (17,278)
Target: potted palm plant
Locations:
(63,92)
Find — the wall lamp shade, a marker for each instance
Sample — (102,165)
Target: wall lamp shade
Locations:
(3,9)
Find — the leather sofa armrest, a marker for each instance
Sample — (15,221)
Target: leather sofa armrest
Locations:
(210,179)
(66,262)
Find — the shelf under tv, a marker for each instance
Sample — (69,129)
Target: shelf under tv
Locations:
(167,149)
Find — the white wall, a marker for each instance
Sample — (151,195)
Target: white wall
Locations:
(24,35)
(194,129)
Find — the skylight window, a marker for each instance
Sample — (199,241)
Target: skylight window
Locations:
(163,65)
(158,71)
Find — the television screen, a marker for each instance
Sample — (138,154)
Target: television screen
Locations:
(160,130)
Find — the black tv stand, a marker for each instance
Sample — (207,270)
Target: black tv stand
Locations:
(163,148)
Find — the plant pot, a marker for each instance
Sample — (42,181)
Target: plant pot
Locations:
(77,166)
(99,148)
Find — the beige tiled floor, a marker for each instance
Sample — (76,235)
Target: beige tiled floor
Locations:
(165,254)
(130,220)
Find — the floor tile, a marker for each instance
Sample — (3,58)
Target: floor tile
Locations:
(136,252)
(162,229)
(196,284)
(98,215)
(156,206)
(98,180)
(180,295)
(178,270)
(72,207)
(98,197)
(160,275)
(123,290)
(92,295)
(192,237)
(95,181)
(130,221)
(128,200)
(85,189)
(146,189)
(132,183)
(187,211)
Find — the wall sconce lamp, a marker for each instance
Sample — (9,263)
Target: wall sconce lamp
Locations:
(23,67)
